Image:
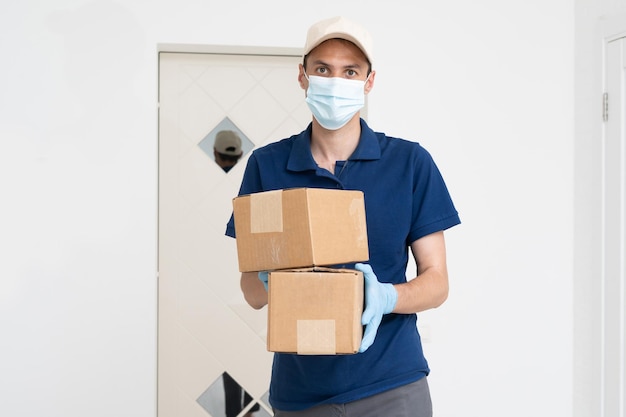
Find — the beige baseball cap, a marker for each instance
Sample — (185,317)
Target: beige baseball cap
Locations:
(228,142)
(342,28)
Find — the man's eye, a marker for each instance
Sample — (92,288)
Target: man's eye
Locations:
(351,73)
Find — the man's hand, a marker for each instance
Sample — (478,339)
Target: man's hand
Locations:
(380,299)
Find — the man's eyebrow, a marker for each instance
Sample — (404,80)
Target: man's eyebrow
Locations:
(320,62)
(325,64)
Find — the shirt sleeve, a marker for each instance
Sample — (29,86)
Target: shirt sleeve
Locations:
(433,209)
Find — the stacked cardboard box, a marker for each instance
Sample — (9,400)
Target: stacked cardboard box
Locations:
(315,311)
(291,233)
(300,227)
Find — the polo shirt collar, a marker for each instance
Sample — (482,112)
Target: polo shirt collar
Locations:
(301,159)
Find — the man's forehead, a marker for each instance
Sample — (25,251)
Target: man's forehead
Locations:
(332,45)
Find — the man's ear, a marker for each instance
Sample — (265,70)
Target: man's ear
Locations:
(369,84)
(304,83)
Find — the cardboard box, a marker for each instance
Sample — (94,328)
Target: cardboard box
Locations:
(300,227)
(315,311)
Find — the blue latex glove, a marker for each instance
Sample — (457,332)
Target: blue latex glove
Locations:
(380,299)
(264,277)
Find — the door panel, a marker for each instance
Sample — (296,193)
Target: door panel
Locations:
(205,327)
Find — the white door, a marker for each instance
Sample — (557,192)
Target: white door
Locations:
(208,337)
(614,235)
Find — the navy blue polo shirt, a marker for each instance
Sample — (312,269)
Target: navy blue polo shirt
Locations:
(405,199)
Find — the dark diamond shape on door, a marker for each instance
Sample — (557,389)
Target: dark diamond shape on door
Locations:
(226,144)
(224,397)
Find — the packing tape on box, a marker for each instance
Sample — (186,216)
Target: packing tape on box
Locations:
(316,337)
(266,212)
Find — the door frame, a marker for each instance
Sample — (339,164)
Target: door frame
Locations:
(588,308)
(612,286)
(228,49)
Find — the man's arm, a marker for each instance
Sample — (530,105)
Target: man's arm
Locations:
(253,290)
(430,288)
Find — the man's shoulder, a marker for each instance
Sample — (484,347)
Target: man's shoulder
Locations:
(279,147)
(401,146)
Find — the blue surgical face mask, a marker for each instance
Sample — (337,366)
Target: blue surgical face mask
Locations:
(333,101)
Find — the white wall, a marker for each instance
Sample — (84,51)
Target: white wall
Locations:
(486,86)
